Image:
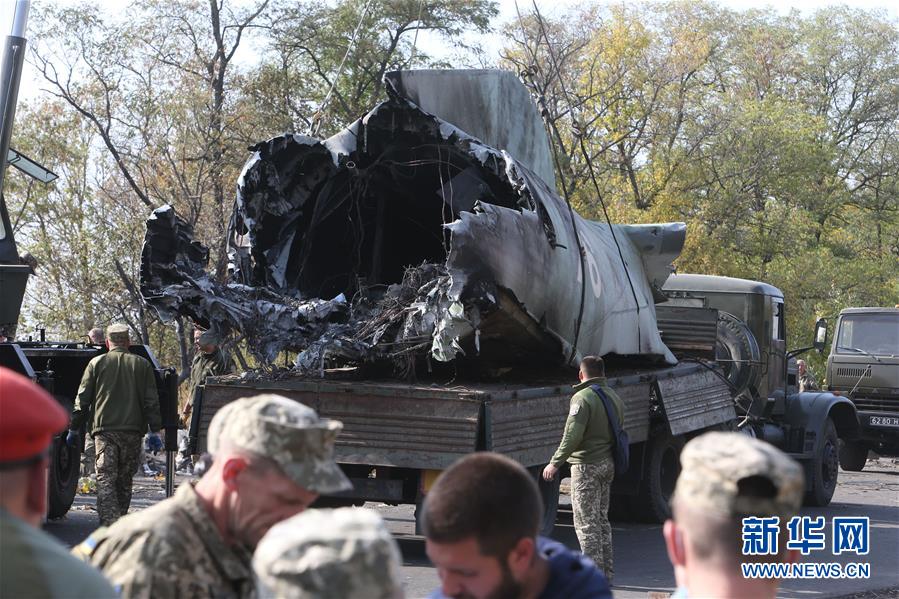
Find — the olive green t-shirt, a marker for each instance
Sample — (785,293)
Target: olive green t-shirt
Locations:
(588,438)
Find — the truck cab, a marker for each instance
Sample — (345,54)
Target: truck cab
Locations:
(751,348)
(863,366)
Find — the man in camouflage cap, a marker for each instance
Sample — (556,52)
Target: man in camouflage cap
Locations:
(209,360)
(117,401)
(321,554)
(726,477)
(272,457)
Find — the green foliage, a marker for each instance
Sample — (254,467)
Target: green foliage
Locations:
(310,58)
(774,137)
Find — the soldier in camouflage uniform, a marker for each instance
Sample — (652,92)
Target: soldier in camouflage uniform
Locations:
(118,393)
(271,458)
(726,477)
(322,554)
(209,360)
(587,446)
(806,379)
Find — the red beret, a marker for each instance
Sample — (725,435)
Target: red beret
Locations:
(29,417)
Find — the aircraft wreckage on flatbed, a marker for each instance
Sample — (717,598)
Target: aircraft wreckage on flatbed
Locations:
(409,235)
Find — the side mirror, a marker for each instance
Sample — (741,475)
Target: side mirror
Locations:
(820,335)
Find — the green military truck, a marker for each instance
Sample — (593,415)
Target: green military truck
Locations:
(531,273)
(729,335)
(863,366)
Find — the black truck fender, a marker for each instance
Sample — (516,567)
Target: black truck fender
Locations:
(815,422)
(809,411)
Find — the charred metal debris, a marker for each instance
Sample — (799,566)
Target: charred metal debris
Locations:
(403,240)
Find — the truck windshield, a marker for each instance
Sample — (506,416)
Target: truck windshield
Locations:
(873,333)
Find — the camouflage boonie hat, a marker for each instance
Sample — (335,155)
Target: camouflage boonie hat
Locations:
(715,464)
(287,432)
(117,333)
(321,554)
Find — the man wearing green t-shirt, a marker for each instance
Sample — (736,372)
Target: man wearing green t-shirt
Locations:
(587,446)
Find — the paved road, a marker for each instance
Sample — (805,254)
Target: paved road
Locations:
(641,565)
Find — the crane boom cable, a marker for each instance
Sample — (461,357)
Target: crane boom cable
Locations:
(579,134)
(577,240)
(315,125)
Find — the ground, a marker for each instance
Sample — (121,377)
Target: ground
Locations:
(641,565)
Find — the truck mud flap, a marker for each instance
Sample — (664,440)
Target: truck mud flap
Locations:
(696,401)
(377,428)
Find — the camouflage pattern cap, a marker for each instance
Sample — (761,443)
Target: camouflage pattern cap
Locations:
(718,471)
(320,554)
(116,329)
(287,432)
(210,337)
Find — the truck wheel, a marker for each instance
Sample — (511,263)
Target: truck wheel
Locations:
(662,469)
(822,470)
(853,455)
(62,477)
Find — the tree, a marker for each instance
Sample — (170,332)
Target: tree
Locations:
(325,63)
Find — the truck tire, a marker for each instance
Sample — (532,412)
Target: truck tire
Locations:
(62,477)
(822,470)
(653,504)
(739,351)
(853,455)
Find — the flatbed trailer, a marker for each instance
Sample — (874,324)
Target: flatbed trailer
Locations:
(398,436)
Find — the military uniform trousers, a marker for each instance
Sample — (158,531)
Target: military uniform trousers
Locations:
(591,485)
(118,455)
(88,457)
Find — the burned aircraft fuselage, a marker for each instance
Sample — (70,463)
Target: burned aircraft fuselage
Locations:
(519,275)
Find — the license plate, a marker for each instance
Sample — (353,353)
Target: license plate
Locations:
(884,421)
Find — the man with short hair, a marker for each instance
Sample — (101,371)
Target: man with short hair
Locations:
(272,457)
(33,564)
(805,378)
(326,554)
(118,394)
(726,477)
(481,520)
(96,336)
(587,446)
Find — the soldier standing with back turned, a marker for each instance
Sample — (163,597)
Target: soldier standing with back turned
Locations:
(118,390)
(587,446)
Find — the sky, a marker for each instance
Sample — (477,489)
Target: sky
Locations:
(31,84)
